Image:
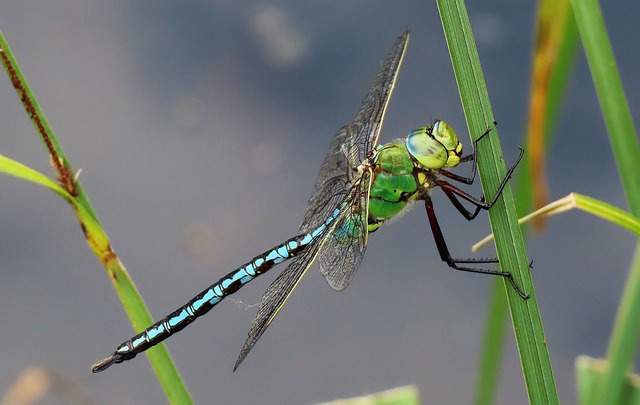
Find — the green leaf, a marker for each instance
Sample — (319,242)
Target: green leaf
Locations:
(16,169)
(553,59)
(525,314)
(590,205)
(626,150)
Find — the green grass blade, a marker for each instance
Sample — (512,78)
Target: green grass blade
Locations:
(624,338)
(613,102)
(589,205)
(526,319)
(16,169)
(71,190)
(552,64)
(608,212)
(626,149)
(589,370)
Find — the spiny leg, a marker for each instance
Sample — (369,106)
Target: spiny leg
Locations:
(474,158)
(443,250)
(481,203)
(456,203)
(451,191)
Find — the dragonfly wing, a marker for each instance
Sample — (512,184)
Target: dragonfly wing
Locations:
(342,253)
(369,119)
(332,184)
(352,144)
(338,186)
(339,262)
(338,181)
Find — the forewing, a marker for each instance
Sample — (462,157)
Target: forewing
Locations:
(339,259)
(368,121)
(352,144)
(337,186)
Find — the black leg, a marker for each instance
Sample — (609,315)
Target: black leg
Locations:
(443,250)
(473,200)
(457,177)
(451,191)
(456,203)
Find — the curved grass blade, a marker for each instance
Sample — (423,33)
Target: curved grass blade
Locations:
(590,205)
(16,169)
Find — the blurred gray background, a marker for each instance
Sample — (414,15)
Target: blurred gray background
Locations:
(200,128)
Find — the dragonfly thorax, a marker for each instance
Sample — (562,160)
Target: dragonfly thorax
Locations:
(405,169)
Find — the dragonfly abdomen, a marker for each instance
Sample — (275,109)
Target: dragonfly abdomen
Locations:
(207,299)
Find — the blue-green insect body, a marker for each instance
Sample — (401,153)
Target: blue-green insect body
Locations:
(360,186)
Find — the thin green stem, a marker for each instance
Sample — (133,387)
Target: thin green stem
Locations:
(98,241)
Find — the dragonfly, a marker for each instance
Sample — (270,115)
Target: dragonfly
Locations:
(360,186)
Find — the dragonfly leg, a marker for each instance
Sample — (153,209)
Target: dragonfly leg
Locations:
(481,203)
(456,203)
(443,250)
(474,158)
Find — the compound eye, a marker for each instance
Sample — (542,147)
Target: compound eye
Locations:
(429,152)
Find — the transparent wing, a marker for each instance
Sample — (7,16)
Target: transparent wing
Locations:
(332,184)
(342,252)
(352,144)
(338,186)
(340,259)
(369,119)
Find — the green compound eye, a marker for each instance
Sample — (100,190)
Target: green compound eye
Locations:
(435,147)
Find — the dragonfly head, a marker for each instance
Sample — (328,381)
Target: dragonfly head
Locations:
(435,147)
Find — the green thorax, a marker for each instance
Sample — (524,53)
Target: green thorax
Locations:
(404,169)
(394,182)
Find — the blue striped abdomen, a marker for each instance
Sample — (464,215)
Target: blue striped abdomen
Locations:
(207,299)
